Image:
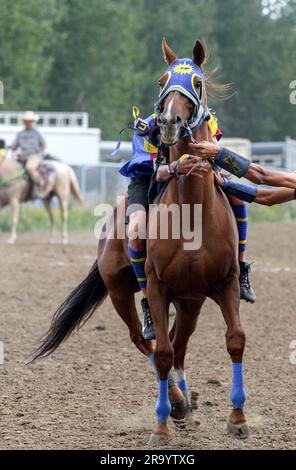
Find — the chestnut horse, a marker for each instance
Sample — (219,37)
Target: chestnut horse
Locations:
(184,277)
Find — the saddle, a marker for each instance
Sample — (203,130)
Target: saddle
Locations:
(44,169)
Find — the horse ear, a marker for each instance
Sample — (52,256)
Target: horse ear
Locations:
(199,53)
(168,55)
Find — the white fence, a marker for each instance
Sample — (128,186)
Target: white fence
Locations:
(101,182)
(46,119)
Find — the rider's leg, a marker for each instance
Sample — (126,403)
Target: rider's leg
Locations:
(240,210)
(32,168)
(137,253)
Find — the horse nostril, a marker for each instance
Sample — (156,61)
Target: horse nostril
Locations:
(178,119)
(162,119)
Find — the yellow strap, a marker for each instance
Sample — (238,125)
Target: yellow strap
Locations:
(136,113)
(183,157)
(141,279)
(213,125)
(137,260)
(242,220)
(243,242)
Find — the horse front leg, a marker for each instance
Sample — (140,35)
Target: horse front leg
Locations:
(163,356)
(49,210)
(235,342)
(63,200)
(185,324)
(15,208)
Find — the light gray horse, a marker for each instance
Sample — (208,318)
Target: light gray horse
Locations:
(14,189)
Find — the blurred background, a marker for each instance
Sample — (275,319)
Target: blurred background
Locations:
(83,65)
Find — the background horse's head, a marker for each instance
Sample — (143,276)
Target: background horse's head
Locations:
(182,99)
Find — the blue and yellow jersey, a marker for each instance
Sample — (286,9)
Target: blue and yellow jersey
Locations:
(141,163)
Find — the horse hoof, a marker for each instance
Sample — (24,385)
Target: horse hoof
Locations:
(192,419)
(159,439)
(241,431)
(179,410)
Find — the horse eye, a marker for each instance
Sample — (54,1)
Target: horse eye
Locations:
(160,83)
(198,84)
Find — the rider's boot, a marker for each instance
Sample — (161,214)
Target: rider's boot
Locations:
(138,259)
(246,291)
(148,328)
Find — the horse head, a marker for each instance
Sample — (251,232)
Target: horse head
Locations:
(181,104)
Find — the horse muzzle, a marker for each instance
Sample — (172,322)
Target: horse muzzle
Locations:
(170,130)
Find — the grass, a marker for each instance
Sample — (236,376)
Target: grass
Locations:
(279,213)
(35,218)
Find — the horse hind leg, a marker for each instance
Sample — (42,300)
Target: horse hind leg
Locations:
(63,200)
(121,290)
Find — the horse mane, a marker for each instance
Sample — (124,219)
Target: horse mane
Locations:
(217,91)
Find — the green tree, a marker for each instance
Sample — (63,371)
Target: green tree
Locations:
(96,62)
(255,54)
(26,33)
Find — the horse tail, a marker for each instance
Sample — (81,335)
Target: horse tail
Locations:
(74,312)
(74,186)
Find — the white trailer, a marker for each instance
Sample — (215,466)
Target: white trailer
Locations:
(67,135)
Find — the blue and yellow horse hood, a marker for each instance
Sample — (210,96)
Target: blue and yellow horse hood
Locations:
(181,76)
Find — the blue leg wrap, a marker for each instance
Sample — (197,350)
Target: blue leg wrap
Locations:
(163,406)
(183,386)
(138,259)
(241,215)
(238,395)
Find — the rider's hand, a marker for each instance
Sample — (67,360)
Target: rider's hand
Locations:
(205,149)
(185,166)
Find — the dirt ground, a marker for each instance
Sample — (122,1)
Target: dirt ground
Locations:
(98,392)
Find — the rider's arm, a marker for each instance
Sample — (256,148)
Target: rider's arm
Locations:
(42,143)
(259,175)
(240,166)
(270,197)
(15,144)
(266,197)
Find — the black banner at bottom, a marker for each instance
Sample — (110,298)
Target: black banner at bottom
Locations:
(134,459)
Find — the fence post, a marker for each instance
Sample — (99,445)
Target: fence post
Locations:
(83,181)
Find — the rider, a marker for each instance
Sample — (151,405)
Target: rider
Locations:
(31,145)
(140,169)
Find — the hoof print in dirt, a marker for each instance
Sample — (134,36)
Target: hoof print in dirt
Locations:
(241,431)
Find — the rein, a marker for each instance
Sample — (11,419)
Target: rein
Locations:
(10,179)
